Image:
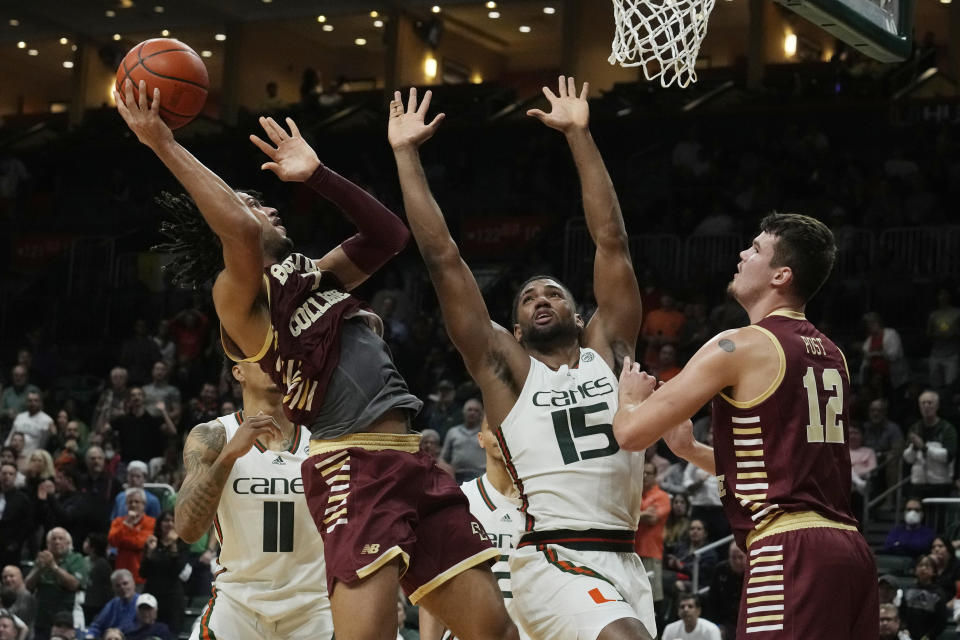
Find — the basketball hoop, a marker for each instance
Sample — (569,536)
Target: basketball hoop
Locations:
(662,36)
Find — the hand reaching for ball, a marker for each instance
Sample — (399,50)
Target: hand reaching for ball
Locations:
(142,119)
(293,160)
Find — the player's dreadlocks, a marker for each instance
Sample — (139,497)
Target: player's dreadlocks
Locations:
(197,251)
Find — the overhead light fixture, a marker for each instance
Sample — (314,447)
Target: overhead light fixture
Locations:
(374,14)
(549,11)
(68,64)
(524,29)
(267,1)
(328,27)
(220,37)
(33,52)
(378,23)
(493,14)
(158,9)
(21,45)
(110,13)
(116,36)
(430,67)
(790,45)
(73,47)
(435,8)
(14,22)
(126,4)
(360,42)
(321,18)
(165,33)
(64,40)
(476,78)
(491,4)
(206,53)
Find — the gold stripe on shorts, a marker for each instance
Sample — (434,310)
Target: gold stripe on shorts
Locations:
(408,442)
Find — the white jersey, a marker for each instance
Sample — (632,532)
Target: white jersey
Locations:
(501,518)
(271,555)
(559,446)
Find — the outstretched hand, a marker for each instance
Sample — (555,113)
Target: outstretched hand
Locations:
(567,110)
(636,385)
(144,120)
(408,128)
(292,159)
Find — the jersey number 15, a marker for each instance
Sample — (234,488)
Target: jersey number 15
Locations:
(571,423)
(834,409)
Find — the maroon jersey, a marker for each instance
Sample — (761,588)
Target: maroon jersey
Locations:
(787,451)
(302,348)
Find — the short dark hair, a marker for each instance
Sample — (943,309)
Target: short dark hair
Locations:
(804,244)
(97,542)
(691,596)
(9,464)
(516,297)
(62,619)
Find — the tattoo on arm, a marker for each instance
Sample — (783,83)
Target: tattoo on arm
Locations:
(200,494)
(727,345)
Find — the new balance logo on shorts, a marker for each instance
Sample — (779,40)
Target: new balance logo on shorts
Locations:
(370,549)
(279,460)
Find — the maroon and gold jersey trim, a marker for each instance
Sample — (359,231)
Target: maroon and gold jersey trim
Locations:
(747,404)
(266,340)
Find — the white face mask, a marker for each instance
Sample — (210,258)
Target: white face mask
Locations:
(912,517)
(108,453)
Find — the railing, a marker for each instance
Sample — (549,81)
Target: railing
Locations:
(941,513)
(896,489)
(699,552)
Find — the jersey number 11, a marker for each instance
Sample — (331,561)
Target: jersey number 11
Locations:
(277,526)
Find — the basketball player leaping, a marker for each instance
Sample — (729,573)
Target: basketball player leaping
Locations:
(550,390)
(388,515)
(780,392)
(243,476)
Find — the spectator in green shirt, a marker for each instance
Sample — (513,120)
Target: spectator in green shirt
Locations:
(58,574)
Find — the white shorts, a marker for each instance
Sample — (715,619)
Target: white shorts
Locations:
(565,594)
(225,619)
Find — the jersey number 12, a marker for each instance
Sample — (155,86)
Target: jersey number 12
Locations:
(277,526)
(834,409)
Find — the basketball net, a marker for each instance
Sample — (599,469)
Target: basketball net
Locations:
(662,36)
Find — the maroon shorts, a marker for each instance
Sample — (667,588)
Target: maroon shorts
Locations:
(375,497)
(817,582)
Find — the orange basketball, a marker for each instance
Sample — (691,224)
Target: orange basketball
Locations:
(175,69)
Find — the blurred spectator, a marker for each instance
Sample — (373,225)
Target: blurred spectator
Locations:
(167,469)
(67,430)
(890,623)
(461,448)
(129,533)
(189,330)
(113,634)
(666,363)
(704,492)
(888,591)
(166,568)
(395,330)
(403,308)
(271,102)
(147,627)
(98,485)
(141,434)
(62,627)
(696,329)
(691,626)
(9,456)
(99,583)
(943,329)
(15,514)
(430,443)
(57,575)
(16,443)
(310,89)
(945,564)
(442,411)
(885,437)
(13,400)
(678,521)
(883,353)
(161,391)
(924,611)
(8,627)
(165,344)
(671,480)
(682,557)
(35,424)
(121,610)
(205,407)
(910,538)
(863,461)
(113,400)
(931,450)
(726,588)
(728,315)
(136,478)
(661,326)
(66,506)
(25,605)
(138,354)
(652,455)
(655,508)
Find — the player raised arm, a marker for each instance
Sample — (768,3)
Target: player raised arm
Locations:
(208,458)
(464,311)
(614,327)
(381,235)
(230,217)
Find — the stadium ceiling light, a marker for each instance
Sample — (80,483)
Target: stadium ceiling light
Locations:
(378,23)
(158,9)
(321,18)
(360,41)
(435,8)
(374,14)
(68,64)
(165,33)
(328,27)
(524,29)
(116,36)
(491,4)
(110,13)
(21,45)
(549,11)
(493,15)
(33,52)
(64,40)
(126,4)
(220,37)
(14,22)
(206,53)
